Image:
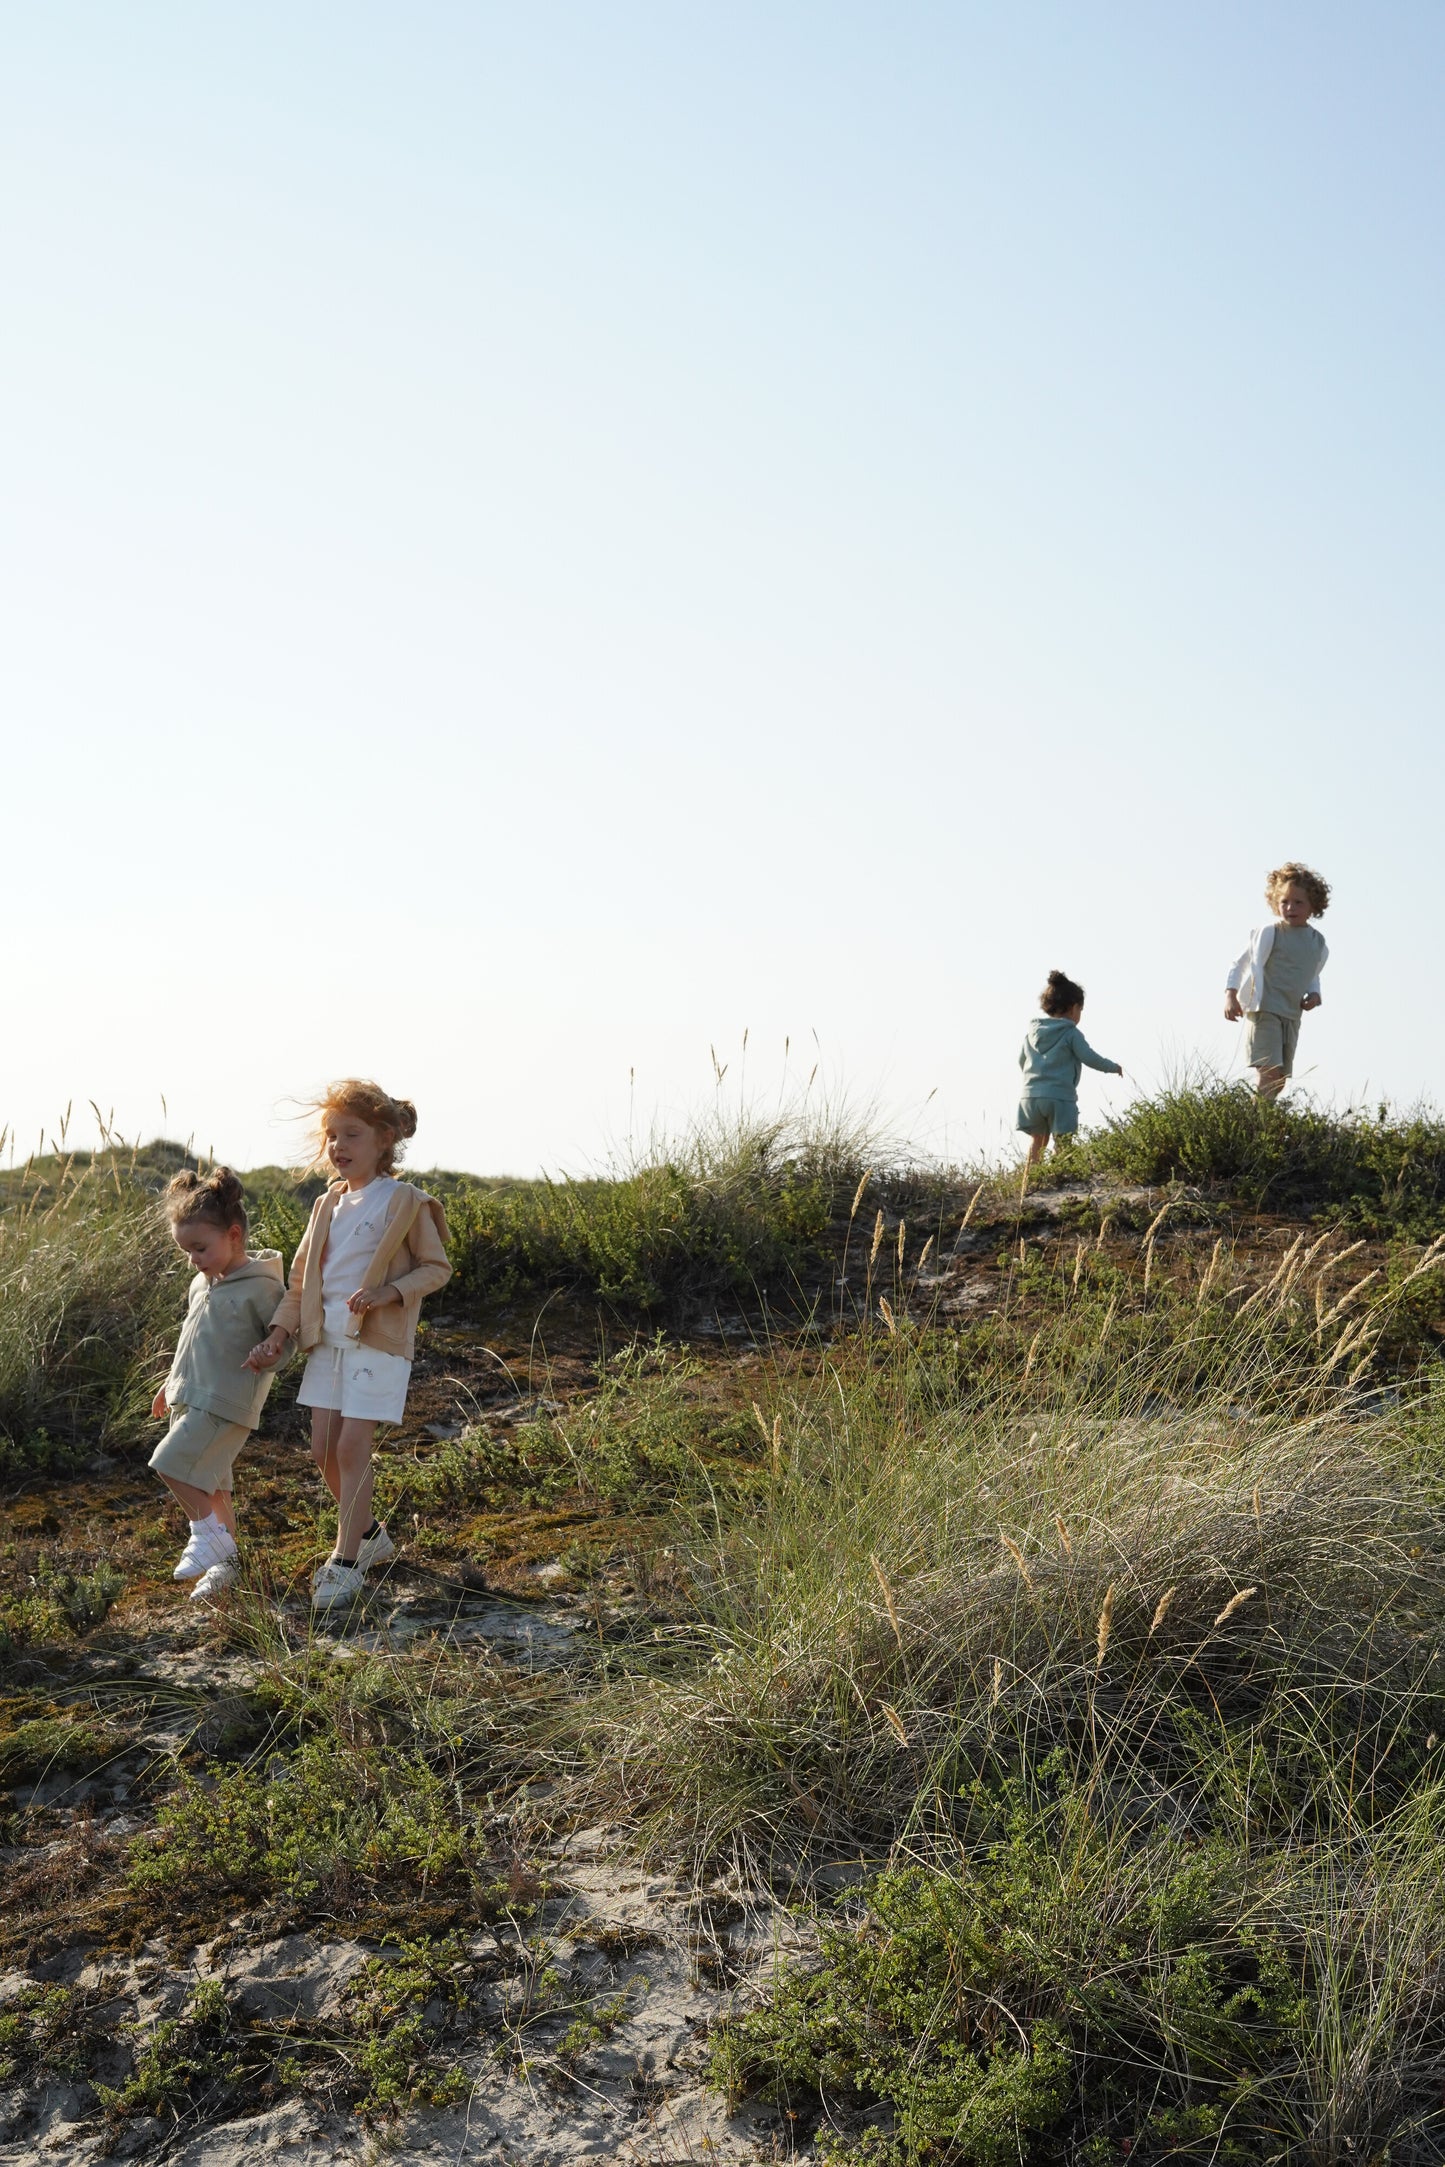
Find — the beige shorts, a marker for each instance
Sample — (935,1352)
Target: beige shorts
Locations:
(1272,1041)
(199,1448)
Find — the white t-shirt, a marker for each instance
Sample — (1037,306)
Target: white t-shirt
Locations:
(357,1219)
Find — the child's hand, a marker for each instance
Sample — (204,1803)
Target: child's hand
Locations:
(1232,1009)
(159,1409)
(371,1298)
(268,1352)
(1311,1000)
(1118,1068)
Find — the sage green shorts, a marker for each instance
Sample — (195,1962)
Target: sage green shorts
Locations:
(200,1449)
(1271,1041)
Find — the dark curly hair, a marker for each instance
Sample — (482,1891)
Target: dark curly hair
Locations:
(1060,995)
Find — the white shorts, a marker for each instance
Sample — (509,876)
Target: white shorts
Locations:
(361,1383)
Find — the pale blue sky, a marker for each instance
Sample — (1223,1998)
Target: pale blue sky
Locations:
(537,538)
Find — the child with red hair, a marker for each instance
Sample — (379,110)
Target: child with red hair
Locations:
(374,1247)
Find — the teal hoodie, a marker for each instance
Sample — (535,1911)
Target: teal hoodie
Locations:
(1053,1055)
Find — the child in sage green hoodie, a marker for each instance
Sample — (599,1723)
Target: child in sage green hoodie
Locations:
(1054,1054)
(213,1399)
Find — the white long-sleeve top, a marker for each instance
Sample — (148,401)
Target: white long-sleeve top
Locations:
(1246,973)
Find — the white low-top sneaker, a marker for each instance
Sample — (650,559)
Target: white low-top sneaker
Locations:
(336,1583)
(209,1545)
(375,1549)
(214,1580)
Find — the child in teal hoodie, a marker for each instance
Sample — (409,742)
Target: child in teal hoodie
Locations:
(1052,1057)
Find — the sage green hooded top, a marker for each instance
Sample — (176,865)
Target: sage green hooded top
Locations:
(225,1319)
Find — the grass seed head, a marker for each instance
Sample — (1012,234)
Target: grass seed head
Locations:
(894,1721)
(1161,1610)
(1106,1625)
(1235,1603)
(1018,1557)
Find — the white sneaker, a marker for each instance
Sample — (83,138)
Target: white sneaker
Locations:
(374,1549)
(214,1580)
(336,1583)
(210,1544)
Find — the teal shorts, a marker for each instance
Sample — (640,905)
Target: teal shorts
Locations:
(1048,1116)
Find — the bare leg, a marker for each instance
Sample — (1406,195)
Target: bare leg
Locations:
(197,1504)
(1038,1145)
(341,1449)
(1271,1080)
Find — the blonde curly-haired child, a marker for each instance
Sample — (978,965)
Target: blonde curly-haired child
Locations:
(1277,978)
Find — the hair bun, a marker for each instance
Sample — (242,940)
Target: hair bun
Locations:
(405,1117)
(1060,994)
(218,1197)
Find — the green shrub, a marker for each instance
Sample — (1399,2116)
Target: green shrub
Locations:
(181,2058)
(47,2031)
(1070,1975)
(656,1237)
(332,1821)
(64,1599)
(739,1207)
(391,2038)
(31,1750)
(1380,1170)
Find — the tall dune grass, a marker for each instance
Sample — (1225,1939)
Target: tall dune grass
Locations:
(90,1297)
(1136,1717)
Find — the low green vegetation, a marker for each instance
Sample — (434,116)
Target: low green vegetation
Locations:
(738,1211)
(1051,1616)
(40,1746)
(384,2049)
(323,1822)
(1127,1681)
(55,1596)
(1379,1170)
(648,1436)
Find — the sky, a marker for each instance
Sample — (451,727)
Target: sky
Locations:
(536,541)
